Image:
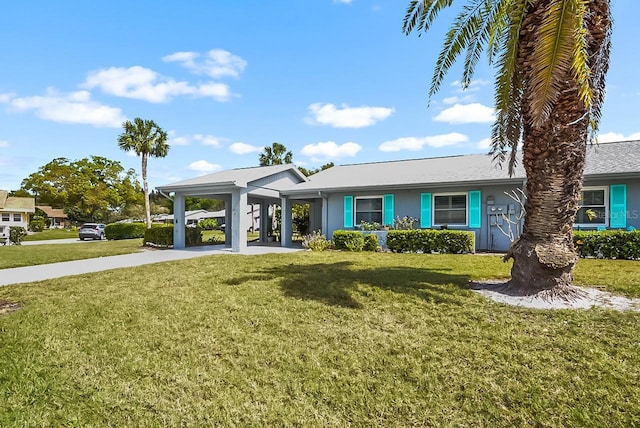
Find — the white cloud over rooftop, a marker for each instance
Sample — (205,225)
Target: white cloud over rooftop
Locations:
(216,63)
(345,116)
(329,150)
(466,113)
(240,148)
(417,143)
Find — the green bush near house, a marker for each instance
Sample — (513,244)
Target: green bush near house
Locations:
(608,244)
(431,241)
(208,224)
(371,242)
(16,233)
(37,223)
(162,236)
(116,231)
(348,240)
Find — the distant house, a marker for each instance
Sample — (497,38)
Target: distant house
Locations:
(193,217)
(56,216)
(14,211)
(457,192)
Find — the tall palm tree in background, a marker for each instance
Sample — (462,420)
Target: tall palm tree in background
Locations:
(551,58)
(146,139)
(277,154)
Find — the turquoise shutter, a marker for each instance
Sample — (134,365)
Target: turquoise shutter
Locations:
(425,210)
(618,205)
(348,211)
(475,209)
(387,207)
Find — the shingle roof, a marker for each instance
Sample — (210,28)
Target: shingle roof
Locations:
(237,177)
(14,203)
(602,159)
(52,212)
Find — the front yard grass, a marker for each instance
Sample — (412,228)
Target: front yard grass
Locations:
(51,234)
(30,255)
(313,339)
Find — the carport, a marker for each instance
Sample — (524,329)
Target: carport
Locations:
(239,189)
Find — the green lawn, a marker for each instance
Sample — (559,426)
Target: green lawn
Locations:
(49,234)
(314,339)
(29,255)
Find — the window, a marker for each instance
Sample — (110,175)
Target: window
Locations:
(17,217)
(5,217)
(593,207)
(369,209)
(450,210)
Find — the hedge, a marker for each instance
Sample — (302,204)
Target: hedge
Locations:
(431,241)
(608,244)
(117,231)
(348,240)
(162,236)
(370,242)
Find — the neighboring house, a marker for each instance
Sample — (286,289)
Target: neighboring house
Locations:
(193,217)
(457,192)
(56,216)
(14,211)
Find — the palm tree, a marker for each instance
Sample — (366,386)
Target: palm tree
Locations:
(277,154)
(146,139)
(551,58)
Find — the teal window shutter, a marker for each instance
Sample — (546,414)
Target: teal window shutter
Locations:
(387,206)
(618,205)
(425,210)
(348,211)
(475,209)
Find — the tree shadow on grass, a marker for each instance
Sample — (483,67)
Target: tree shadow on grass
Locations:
(336,283)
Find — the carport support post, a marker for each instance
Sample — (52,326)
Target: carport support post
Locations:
(286,220)
(239,221)
(265,221)
(178,222)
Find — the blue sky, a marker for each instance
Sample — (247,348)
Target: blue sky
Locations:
(332,80)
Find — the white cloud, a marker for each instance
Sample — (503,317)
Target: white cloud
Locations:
(329,150)
(204,167)
(5,98)
(475,85)
(144,84)
(75,107)
(240,148)
(417,143)
(4,144)
(208,140)
(347,117)
(466,113)
(342,1)
(216,63)
(485,143)
(611,137)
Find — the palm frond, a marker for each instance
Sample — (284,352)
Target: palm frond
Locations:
(553,56)
(421,14)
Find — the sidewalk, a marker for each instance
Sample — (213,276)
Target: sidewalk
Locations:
(145,257)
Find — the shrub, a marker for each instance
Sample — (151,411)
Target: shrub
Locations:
(608,244)
(162,236)
(117,231)
(16,233)
(208,224)
(371,242)
(431,241)
(37,223)
(348,240)
(316,241)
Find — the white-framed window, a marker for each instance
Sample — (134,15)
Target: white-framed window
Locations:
(450,209)
(6,217)
(594,207)
(369,209)
(17,217)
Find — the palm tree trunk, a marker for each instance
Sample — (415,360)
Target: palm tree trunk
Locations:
(145,186)
(553,158)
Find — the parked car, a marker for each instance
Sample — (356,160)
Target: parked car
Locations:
(92,231)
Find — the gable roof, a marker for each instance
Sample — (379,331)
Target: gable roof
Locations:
(52,212)
(239,177)
(17,204)
(602,160)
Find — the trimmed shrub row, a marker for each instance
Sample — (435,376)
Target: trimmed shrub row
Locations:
(162,236)
(608,244)
(117,231)
(351,240)
(431,241)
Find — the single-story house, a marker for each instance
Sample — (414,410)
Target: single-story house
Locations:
(14,211)
(192,217)
(464,192)
(55,215)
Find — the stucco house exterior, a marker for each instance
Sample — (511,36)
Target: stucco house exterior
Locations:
(56,216)
(14,211)
(457,192)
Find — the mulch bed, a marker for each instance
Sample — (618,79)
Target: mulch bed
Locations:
(8,307)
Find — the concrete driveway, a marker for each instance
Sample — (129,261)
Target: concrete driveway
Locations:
(145,257)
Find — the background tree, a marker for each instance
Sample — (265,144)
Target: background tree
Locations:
(91,189)
(308,172)
(552,58)
(276,154)
(145,138)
